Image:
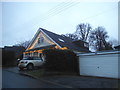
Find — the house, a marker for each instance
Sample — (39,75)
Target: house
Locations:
(45,39)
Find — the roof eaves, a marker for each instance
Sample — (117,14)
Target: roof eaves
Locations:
(38,48)
(33,39)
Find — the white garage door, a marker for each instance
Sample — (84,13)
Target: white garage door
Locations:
(99,65)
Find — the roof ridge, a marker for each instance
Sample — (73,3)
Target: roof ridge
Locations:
(56,34)
(49,31)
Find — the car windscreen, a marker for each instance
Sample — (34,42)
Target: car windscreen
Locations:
(32,58)
(36,58)
(28,58)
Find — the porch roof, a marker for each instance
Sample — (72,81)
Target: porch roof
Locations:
(44,47)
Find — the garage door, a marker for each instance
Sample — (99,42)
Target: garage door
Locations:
(99,65)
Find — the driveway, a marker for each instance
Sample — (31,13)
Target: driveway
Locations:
(83,82)
(76,81)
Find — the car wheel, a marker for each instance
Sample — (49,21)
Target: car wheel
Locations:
(30,66)
(21,68)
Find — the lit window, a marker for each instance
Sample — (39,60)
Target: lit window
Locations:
(40,40)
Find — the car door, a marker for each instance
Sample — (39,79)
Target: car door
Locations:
(40,61)
(37,61)
(31,60)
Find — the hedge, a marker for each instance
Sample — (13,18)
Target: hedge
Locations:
(60,60)
(8,58)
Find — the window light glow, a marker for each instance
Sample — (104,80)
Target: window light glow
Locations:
(64,48)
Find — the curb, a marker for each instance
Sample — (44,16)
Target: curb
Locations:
(25,74)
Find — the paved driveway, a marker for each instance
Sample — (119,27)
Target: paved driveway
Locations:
(77,81)
(83,82)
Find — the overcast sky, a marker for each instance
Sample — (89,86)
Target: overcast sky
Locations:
(21,20)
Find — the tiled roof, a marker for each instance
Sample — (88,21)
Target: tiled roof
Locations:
(117,47)
(64,41)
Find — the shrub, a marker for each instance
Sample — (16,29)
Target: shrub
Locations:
(8,58)
(60,60)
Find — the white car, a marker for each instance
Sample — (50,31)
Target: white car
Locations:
(30,63)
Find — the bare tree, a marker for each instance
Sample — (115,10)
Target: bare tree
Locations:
(24,44)
(83,31)
(98,39)
(114,42)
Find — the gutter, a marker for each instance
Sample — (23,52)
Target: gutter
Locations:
(98,53)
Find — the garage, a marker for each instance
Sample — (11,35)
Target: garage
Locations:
(104,64)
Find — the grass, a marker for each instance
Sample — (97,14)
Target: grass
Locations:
(36,73)
(41,73)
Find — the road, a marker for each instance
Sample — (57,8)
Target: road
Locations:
(15,80)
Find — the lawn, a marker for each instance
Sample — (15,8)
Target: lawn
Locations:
(41,73)
(36,73)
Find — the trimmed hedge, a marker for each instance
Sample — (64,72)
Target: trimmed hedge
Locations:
(60,60)
(8,58)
